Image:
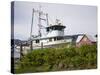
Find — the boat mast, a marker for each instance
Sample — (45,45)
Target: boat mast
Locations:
(47,19)
(42,19)
(39,20)
(32,23)
(31,47)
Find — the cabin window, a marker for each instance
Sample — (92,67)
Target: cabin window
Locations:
(55,38)
(37,41)
(50,39)
(58,38)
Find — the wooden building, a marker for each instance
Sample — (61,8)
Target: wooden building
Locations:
(85,40)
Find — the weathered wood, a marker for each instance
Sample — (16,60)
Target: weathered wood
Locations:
(41,45)
(31,45)
(21,51)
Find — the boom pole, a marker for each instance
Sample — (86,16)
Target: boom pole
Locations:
(39,21)
(32,23)
(31,44)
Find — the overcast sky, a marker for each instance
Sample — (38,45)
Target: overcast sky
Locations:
(78,19)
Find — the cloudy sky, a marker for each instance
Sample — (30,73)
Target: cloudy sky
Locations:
(78,19)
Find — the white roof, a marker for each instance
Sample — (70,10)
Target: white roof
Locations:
(90,37)
(79,38)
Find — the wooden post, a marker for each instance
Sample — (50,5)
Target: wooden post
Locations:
(31,46)
(41,45)
(21,50)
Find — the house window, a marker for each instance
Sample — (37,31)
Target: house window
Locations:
(37,41)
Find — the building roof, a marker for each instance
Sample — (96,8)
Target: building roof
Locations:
(79,38)
(90,37)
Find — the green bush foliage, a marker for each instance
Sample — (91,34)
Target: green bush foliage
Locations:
(58,59)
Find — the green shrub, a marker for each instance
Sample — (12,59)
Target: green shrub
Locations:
(54,59)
